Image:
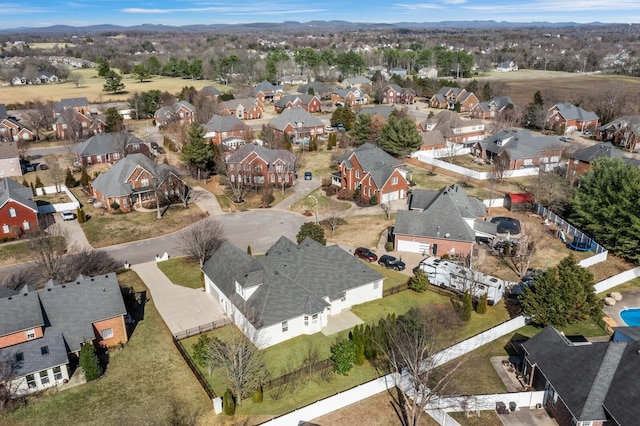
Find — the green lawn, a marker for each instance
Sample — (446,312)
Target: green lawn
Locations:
(15,252)
(183,271)
(142,384)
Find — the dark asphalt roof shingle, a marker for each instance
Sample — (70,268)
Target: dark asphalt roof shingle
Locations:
(12,190)
(34,358)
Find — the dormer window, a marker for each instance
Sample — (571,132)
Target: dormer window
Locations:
(31,334)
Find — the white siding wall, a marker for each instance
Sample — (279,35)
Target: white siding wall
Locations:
(273,334)
(356,296)
(23,388)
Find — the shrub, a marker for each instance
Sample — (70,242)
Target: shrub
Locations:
(419,282)
(84,178)
(257,395)
(39,183)
(345,194)
(482,304)
(343,355)
(89,362)
(373,200)
(228,403)
(115,205)
(467,307)
(388,246)
(69,180)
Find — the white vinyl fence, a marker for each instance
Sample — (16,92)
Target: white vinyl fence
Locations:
(621,278)
(53,208)
(476,403)
(463,171)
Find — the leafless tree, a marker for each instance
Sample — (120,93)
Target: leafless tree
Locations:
(17,279)
(23,147)
(206,105)
(410,346)
(239,182)
(48,249)
(528,244)
(500,167)
(74,128)
(609,102)
(452,150)
(333,216)
(88,262)
(551,189)
(55,171)
(509,118)
(202,239)
(284,173)
(38,117)
(9,367)
(266,195)
(76,79)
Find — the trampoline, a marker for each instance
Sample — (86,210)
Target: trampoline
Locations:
(507,225)
(583,244)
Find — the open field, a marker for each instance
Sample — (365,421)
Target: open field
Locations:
(91,88)
(144,381)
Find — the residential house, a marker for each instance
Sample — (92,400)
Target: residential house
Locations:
(400,72)
(428,72)
(374,173)
(623,132)
(571,118)
(181,112)
(434,141)
(293,290)
(356,82)
(518,148)
(135,180)
(310,103)
(394,94)
(3,111)
(81,105)
(492,108)
(349,97)
(266,92)
(211,90)
(585,383)
(243,108)
(18,211)
(507,66)
(297,124)
(18,80)
(454,128)
(83,125)
(442,222)
(11,129)
(109,148)
(291,80)
(220,127)
(9,159)
(44,77)
(450,97)
(322,90)
(257,165)
(383,111)
(580,161)
(41,330)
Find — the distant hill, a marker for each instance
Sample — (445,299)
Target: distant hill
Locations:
(288,26)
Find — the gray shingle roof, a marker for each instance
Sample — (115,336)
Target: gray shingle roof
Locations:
(500,102)
(319,88)
(304,98)
(72,308)
(519,143)
(233,104)
(9,150)
(20,312)
(264,86)
(106,143)
(571,112)
(212,90)
(3,111)
(632,122)
(446,121)
(12,190)
(604,149)
(374,161)
(70,103)
(268,155)
(225,123)
(383,110)
(34,360)
(357,80)
(297,117)
(294,278)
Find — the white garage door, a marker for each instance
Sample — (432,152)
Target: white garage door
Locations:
(413,246)
(390,196)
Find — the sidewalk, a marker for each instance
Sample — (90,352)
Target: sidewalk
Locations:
(302,189)
(181,308)
(206,201)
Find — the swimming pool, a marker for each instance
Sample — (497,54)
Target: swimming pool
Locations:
(631,316)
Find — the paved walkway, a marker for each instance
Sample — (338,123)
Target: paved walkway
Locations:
(345,320)
(206,201)
(301,189)
(181,308)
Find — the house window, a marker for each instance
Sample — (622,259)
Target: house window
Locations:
(279,168)
(57,373)
(44,377)
(5,229)
(107,333)
(44,350)
(31,381)
(357,174)
(394,180)
(144,182)
(25,225)
(306,320)
(31,334)
(314,318)
(12,212)
(285,326)
(116,155)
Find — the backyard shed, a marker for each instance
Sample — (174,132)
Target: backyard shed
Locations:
(518,202)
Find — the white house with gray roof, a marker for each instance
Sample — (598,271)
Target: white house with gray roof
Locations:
(220,127)
(294,289)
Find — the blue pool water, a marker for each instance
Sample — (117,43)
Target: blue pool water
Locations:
(631,317)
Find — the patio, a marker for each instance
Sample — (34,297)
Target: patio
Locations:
(345,320)
(630,299)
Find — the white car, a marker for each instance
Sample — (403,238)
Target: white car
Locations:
(67,215)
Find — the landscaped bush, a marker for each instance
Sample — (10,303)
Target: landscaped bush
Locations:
(228,403)
(343,355)
(89,362)
(419,282)
(482,304)
(467,307)
(115,205)
(345,194)
(257,395)
(373,200)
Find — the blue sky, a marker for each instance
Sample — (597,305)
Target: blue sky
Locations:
(39,13)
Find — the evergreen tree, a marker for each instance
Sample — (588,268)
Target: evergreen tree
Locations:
(89,361)
(113,120)
(84,178)
(343,115)
(400,136)
(362,129)
(140,72)
(343,355)
(69,180)
(313,231)
(113,82)
(467,306)
(103,66)
(197,152)
(228,403)
(482,304)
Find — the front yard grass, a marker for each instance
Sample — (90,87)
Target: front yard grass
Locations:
(183,271)
(144,381)
(361,230)
(105,229)
(15,252)
(252,200)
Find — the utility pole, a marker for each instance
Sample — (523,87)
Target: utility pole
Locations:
(316,200)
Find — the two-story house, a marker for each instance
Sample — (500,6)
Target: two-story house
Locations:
(373,172)
(623,132)
(448,97)
(81,125)
(109,148)
(12,130)
(40,330)
(491,108)
(310,103)
(220,127)
(571,118)
(80,105)
(297,124)
(580,160)
(454,128)
(358,82)
(394,94)
(243,108)
(18,211)
(349,97)
(181,112)
(135,181)
(266,92)
(256,165)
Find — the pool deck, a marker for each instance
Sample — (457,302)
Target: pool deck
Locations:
(630,299)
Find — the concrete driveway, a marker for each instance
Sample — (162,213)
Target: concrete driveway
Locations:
(77,240)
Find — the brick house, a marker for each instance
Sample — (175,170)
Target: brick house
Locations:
(9,159)
(12,130)
(448,97)
(41,330)
(454,128)
(256,165)
(623,132)
(310,103)
(490,109)
(84,125)
(243,108)
(580,161)
(220,127)
(394,94)
(374,173)
(349,97)
(109,148)
(585,383)
(322,90)
(297,123)
(18,212)
(130,183)
(441,222)
(80,105)
(570,117)
(266,92)
(517,149)
(181,112)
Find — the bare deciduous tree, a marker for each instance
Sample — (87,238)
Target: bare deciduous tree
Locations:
(38,117)
(528,244)
(47,250)
(55,171)
(88,262)
(202,239)
(9,367)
